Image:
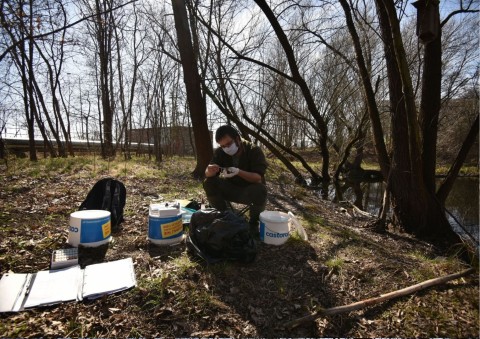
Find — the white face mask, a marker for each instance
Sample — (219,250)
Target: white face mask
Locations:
(231,150)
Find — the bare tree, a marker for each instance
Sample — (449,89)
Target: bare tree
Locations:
(101,29)
(137,54)
(191,77)
(18,26)
(52,53)
(410,175)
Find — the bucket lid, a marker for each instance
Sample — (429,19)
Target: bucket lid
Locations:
(165,206)
(90,214)
(274,216)
(165,209)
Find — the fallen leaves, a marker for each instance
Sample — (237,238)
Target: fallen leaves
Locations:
(225,300)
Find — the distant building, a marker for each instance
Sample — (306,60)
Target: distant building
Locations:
(174,140)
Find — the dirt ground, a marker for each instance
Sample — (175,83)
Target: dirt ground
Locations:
(180,296)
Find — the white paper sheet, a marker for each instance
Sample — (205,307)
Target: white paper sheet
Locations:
(51,287)
(108,277)
(13,287)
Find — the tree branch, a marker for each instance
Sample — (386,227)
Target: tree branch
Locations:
(447,184)
(457,12)
(372,301)
(15,44)
(241,56)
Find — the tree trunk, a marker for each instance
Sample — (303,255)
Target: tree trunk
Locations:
(121,94)
(191,78)
(53,130)
(104,37)
(430,107)
(400,182)
(46,140)
(30,114)
(369,94)
(53,82)
(415,207)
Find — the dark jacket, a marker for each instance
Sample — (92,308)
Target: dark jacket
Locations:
(251,159)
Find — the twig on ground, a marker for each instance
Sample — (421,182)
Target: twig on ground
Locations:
(372,301)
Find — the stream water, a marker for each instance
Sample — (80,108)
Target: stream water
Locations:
(462,203)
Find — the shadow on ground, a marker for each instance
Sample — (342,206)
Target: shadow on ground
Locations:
(283,283)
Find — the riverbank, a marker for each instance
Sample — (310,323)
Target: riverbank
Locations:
(341,263)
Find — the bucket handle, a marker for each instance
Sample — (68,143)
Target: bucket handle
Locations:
(300,230)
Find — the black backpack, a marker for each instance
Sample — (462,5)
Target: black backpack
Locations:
(220,235)
(107,194)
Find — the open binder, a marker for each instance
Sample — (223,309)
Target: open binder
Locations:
(19,291)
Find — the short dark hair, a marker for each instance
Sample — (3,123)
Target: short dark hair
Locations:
(226,130)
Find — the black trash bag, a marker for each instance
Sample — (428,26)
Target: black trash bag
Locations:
(220,235)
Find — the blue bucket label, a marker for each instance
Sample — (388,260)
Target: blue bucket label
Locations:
(165,228)
(277,235)
(93,230)
(262,231)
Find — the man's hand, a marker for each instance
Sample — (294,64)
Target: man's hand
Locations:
(230,172)
(212,170)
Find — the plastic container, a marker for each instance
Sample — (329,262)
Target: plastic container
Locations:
(89,228)
(274,227)
(165,226)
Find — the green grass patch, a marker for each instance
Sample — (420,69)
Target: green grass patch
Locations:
(335,264)
(200,301)
(135,333)
(313,222)
(93,166)
(47,167)
(420,256)
(277,172)
(347,234)
(183,264)
(295,240)
(18,329)
(423,273)
(431,267)
(464,171)
(62,165)
(152,291)
(370,166)
(298,192)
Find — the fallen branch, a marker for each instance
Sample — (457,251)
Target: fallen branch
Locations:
(372,301)
(362,213)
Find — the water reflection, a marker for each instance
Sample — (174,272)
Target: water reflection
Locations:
(462,202)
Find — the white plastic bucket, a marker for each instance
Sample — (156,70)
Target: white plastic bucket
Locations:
(274,227)
(165,225)
(89,228)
